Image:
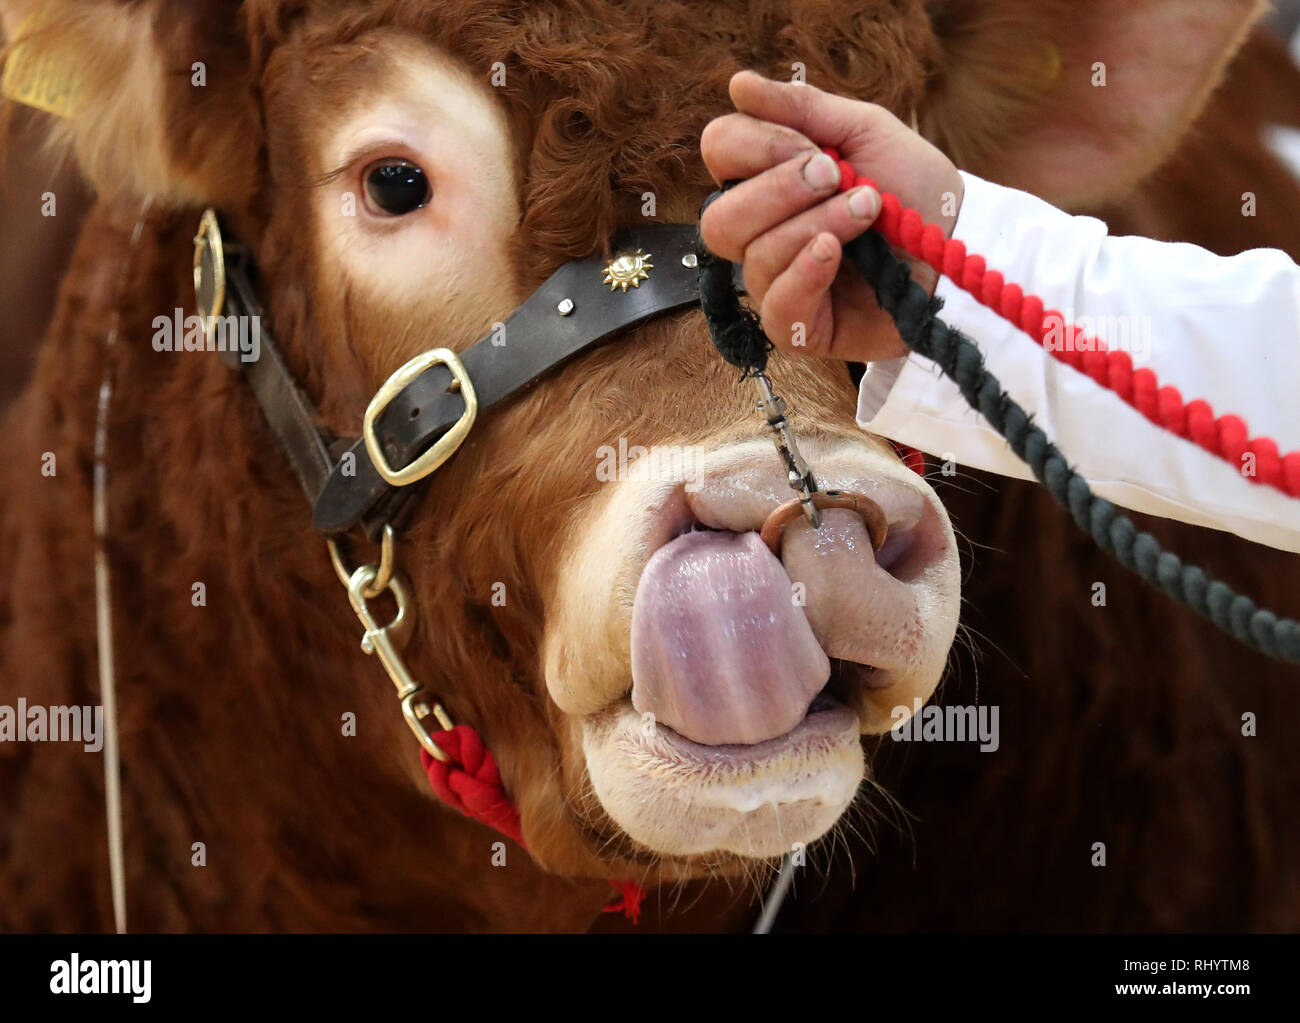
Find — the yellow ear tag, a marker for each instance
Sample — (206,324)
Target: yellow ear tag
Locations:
(43,77)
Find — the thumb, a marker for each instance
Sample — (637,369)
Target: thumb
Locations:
(822,117)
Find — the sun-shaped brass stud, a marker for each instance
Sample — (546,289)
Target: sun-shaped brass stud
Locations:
(628,270)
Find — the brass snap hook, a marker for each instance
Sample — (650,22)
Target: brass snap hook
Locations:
(364,583)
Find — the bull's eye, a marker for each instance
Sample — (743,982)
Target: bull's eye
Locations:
(396,187)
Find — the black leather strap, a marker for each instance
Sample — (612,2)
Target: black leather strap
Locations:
(290,413)
(537,338)
(573,310)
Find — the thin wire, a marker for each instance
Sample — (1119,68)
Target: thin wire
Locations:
(104,641)
(104,608)
(776,896)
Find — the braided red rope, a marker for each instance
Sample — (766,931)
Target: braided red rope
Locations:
(469,781)
(1226,437)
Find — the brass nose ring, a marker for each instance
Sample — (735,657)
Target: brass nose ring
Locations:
(773,528)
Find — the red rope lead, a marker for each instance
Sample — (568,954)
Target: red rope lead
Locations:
(631,895)
(912,458)
(1227,436)
(469,781)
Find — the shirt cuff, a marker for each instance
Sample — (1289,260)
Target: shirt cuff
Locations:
(877,384)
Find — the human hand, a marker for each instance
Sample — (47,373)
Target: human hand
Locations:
(787,224)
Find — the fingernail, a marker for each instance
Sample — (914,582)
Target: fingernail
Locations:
(821,249)
(821,173)
(864,202)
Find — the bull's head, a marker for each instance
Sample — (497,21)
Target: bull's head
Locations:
(655,683)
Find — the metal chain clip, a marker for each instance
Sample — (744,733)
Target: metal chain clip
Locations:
(364,583)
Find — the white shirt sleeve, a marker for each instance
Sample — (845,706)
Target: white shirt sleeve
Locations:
(1226,330)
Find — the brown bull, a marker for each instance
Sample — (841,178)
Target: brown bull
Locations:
(540,130)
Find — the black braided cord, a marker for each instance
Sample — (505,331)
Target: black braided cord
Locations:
(737,334)
(916,315)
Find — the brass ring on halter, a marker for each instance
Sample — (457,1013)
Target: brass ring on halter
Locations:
(872,514)
(383,571)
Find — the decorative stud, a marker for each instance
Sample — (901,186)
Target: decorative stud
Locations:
(565,307)
(628,270)
(690,261)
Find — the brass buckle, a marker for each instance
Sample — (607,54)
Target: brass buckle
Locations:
(445,446)
(210,273)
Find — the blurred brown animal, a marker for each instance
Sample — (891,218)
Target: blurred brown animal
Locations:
(34,248)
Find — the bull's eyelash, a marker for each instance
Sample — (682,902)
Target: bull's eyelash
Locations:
(329,177)
(394,148)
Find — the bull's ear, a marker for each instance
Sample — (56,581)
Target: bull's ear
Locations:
(1075,101)
(154,98)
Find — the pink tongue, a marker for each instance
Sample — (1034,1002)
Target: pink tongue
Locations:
(721,653)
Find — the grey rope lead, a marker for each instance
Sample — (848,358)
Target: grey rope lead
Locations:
(1114,532)
(739,338)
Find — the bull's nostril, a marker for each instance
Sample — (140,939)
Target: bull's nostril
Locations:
(415,413)
(773,529)
(895,549)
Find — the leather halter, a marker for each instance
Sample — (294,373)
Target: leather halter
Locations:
(423,412)
(415,422)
